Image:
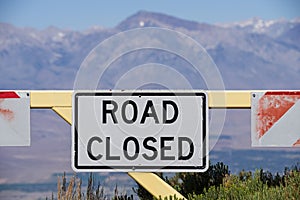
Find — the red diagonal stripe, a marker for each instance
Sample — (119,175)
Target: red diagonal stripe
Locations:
(289,93)
(8,94)
(272,106)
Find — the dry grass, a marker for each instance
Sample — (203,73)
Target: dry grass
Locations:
(72,190)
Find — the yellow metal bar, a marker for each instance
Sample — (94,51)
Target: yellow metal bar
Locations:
(216,99)
(61,103)
(229,99)
(49,99)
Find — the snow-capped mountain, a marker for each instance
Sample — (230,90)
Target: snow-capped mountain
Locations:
(273,28)
(254,52)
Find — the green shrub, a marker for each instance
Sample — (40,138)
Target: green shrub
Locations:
(234,187)
(195,183)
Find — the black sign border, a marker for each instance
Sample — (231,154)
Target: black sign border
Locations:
(141,168)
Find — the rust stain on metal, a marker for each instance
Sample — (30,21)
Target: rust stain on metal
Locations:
(6,113)
(271,107)
(297,144)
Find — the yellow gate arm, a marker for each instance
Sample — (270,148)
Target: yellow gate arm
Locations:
(60,101)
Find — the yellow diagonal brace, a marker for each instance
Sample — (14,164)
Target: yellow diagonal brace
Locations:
(64,112)
(155,185)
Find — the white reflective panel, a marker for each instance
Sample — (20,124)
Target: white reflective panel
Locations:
(14,118)
(275,119)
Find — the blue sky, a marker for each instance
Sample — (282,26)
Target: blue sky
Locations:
(80,15)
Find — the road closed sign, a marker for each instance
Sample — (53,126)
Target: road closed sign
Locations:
(140,131)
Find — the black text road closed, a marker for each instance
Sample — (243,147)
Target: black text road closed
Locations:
(140,131)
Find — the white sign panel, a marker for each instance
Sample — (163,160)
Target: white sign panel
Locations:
(140,131)
(275,119)
(14,118)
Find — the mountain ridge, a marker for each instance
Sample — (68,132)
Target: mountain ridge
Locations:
(67,49)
